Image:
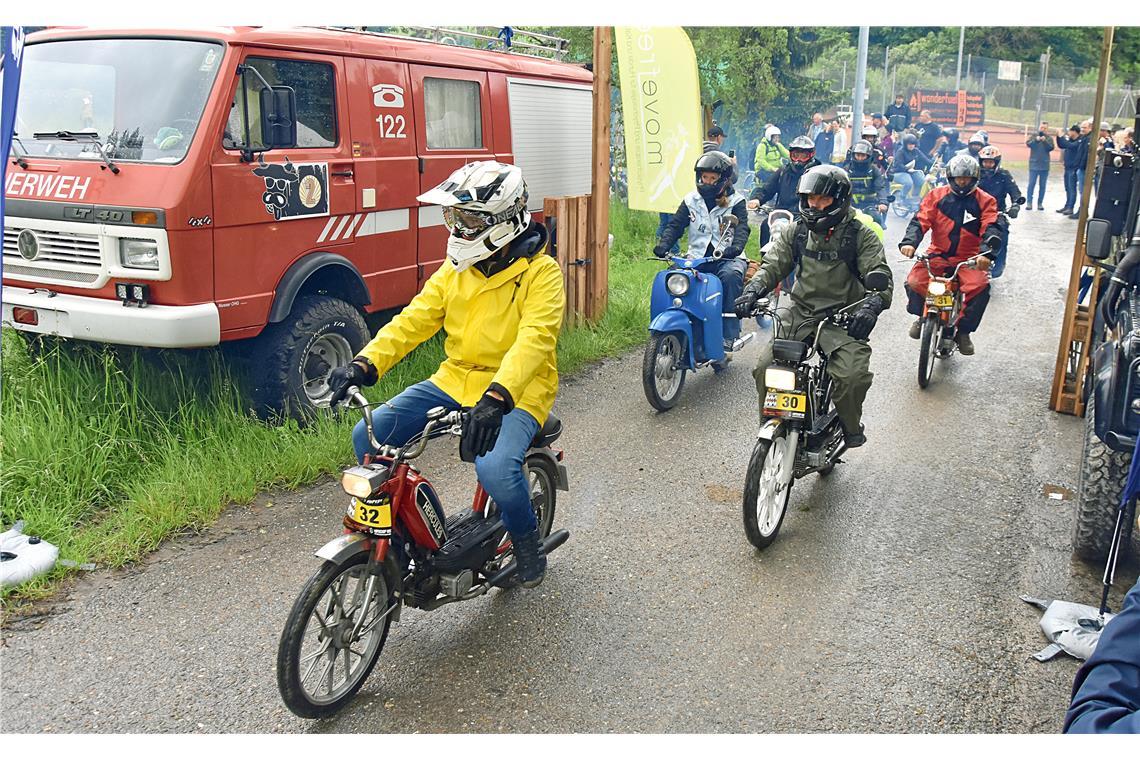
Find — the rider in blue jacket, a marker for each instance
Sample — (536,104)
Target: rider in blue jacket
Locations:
(910,167)
(716,217)
(999,183)
(1106,692)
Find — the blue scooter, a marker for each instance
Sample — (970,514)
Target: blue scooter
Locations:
(685,329)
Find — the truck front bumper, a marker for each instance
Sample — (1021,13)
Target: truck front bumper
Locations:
(107,321)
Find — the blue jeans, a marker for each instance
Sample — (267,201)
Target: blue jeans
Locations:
(1074,181)
(1037,177)
(913,180)
(999,258)
(500,470)
(662,220)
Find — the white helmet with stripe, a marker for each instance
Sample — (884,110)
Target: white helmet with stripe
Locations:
(484,208)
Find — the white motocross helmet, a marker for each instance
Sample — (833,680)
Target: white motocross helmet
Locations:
(484,207)
(771,132)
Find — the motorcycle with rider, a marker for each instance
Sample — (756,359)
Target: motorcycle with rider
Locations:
(870,190)
(999,183)
(780,189)
(842,284)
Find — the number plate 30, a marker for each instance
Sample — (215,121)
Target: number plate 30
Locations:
(792,405)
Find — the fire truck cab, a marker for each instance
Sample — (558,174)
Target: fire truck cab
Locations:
(185,188)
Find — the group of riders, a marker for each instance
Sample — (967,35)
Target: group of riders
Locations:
(499,296)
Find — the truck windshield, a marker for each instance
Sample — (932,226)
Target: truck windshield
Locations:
(142,98)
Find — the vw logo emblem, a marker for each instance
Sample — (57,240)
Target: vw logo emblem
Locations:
(28,244)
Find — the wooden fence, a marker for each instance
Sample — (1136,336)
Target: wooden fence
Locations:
(585,277)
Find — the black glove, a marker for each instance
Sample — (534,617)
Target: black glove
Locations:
(342,378)
(864,319)
(1014,210)
(744,305)
(481,428)
(660,251)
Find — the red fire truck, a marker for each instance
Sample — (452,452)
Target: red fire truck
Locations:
(187,188)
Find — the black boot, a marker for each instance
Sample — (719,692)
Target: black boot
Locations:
(530,557)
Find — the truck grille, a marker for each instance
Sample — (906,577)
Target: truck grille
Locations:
(73,248)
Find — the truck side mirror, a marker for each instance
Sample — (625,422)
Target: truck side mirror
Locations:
(278,117)
(1098,239)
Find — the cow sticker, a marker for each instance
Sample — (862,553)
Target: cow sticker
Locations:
(294,191)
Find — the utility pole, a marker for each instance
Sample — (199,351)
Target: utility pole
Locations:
(860,84)
(886,64)
(1044,77)
(961,44)
(843,87)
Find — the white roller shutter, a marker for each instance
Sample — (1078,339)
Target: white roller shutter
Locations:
(552,136)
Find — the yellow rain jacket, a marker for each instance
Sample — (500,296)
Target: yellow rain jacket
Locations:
(502,329)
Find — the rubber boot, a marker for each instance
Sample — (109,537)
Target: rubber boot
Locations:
(530,557)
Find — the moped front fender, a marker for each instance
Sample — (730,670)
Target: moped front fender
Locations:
(768,432)
(341,548)
(676,321)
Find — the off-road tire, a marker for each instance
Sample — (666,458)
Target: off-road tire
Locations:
(1099,489)
(276,362)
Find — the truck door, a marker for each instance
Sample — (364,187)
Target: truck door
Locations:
(286,202)
(387,178)
(453,127)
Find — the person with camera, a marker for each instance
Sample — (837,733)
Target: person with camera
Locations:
(1040,146)
(1076,147)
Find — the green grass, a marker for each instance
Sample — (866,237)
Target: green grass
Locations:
(107,452)
(1017,116)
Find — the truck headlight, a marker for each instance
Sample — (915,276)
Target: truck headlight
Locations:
(780,379)
(677,284)
(138,254)
(937,288)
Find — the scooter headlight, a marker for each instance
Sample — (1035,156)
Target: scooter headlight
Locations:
(937,288)
(677,284)
(362,481)
(780,379)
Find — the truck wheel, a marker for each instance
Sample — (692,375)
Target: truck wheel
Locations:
(1099,488)
(292,359)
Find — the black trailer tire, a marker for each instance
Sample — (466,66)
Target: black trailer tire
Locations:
(1100,486)
(291,359)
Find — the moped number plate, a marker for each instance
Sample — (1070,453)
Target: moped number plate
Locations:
(377,515)
(778,404)
(944,302)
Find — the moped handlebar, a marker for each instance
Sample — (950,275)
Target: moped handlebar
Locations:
(451,421)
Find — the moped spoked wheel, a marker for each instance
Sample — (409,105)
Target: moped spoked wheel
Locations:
(333,637)
(661,372)
(765,501)
(928,349)
(541,481)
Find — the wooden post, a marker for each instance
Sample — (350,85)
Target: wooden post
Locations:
(598,247)
(1076,331)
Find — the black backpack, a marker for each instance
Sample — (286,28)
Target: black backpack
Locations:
(848,249)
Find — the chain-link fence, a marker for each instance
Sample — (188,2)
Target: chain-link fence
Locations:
(1062,94)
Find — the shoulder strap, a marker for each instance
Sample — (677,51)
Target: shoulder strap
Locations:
(799,245)
(849,248)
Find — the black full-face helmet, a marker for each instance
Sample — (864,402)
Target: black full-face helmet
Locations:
(963,166)
(824,180)
(713,161)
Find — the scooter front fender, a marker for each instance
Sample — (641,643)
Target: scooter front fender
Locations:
(770,427)
(676,321)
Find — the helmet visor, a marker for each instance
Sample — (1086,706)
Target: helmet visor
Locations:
(818,183)
(801,155)
(465,223)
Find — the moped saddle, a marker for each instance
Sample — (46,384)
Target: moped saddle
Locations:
(549,434)
(471,539)
(789,351)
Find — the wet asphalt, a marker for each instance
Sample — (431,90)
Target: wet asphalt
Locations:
(889,603)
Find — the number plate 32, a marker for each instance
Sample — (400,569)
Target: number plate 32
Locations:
(373,513)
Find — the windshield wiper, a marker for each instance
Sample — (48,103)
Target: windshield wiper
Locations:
(69,136)
(19,160)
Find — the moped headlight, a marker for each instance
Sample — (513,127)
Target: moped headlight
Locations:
(937,288)
(362,481)
(780,379)
(138,254)
(677,284)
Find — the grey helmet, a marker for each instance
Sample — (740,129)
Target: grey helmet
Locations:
(862,147)
(963,166)
(801,143)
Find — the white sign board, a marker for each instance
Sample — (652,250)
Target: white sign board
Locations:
(1010,70)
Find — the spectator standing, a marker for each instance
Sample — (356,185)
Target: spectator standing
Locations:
(816,126)
(1104,143)
(1125,141)
(928,133)
(825,145)
(1040,146)
(839,151)
(898,115)
(880,125)
(1076,147)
